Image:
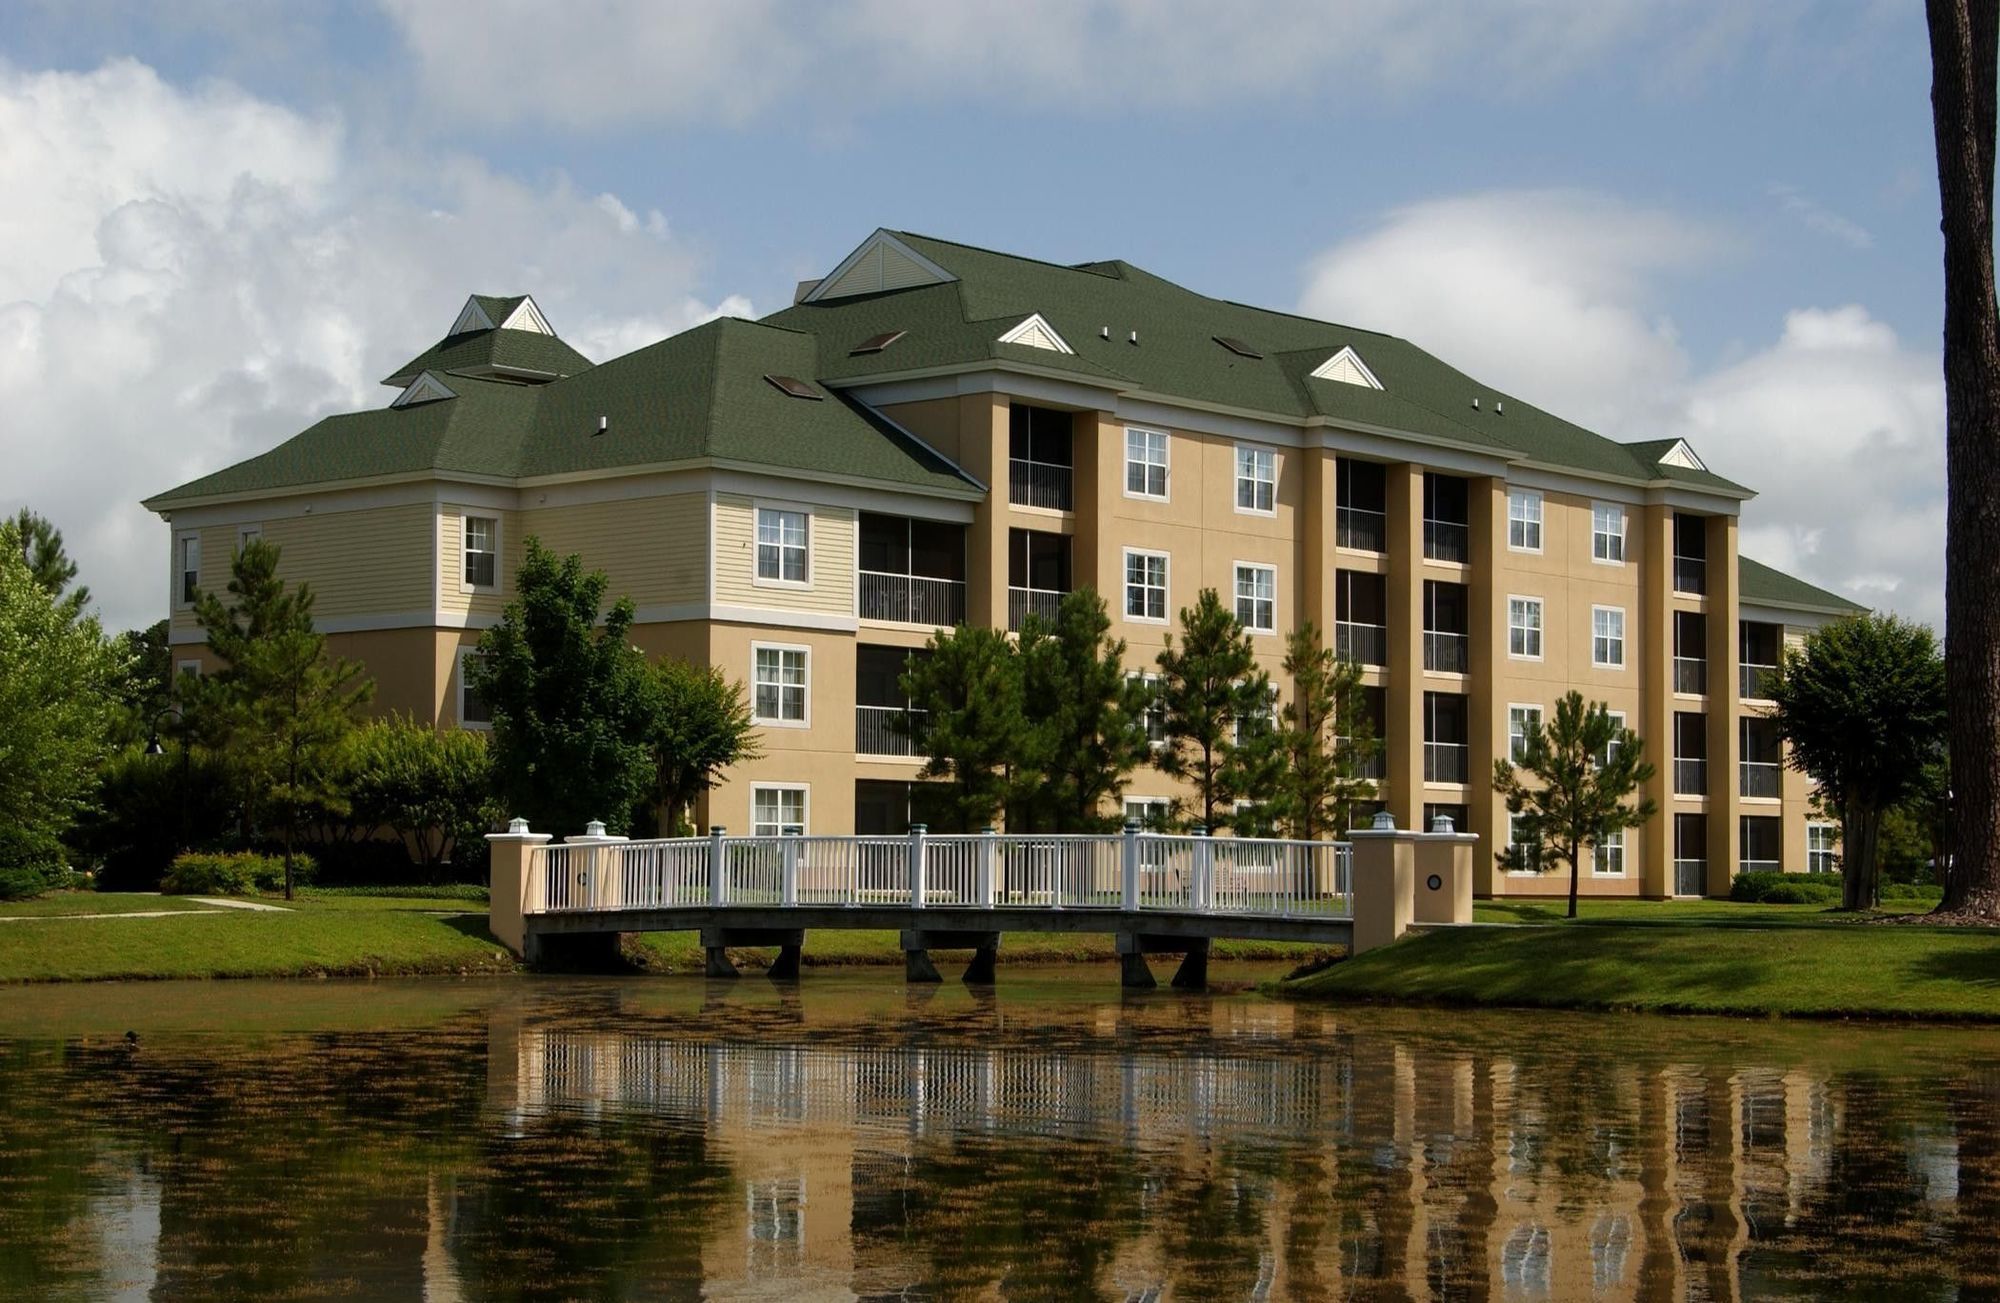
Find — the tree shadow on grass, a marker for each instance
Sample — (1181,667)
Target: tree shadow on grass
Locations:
(1964,965)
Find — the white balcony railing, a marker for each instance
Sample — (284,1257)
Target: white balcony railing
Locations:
(1024,602)
(912,599)
(1760,778)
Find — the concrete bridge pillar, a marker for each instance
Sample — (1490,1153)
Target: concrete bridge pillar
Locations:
(1385,866)
(1135,975)
(918,943)
(517,885)
(1443,873)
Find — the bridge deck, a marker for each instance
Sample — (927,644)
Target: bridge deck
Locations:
(1314,929)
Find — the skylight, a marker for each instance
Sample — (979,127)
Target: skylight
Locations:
(1236,346)
(876,343)
(794,387)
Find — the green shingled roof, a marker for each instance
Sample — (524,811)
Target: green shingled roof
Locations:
(482,351)
(1760,585)
(1096,306)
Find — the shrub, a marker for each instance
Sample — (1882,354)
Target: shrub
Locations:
(232,873)
(1785,888)
(432,789)
(148,809)
(31,862)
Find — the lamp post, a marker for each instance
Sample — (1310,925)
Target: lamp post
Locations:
(154,748)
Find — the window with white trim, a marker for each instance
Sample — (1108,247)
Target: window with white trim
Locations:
(1156,706)
(1822,848)
(480,542)
(190,569)
(1527,853)
(1259,723)
(1257,598)
(474,711)
(247,534)
(1145,462)
(781,546)
(777,810)
(1256,479)
(1524,628)
(778,684)
(1519,720)
(1152,813)
(1609,857)
(1145,585)
(1617,718)
(1524,520)
(1607,637)
(1607,533)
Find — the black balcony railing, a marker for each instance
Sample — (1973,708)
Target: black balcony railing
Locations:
(1447,540)
(1364,644)
(1447,653)
(1690,877)
(888,731)
(1361,529)
(1039,484)
(1447,762)
(1754,681)
(1760,778)
(1024,602)
(1690,777)
(1690,575)
(912,599)
(1690,675)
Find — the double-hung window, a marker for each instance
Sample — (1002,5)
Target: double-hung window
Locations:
(777,811)
(1145,585)
(481,544)
(190,569)
(1820,841)
(1155,707)
(1607,637)
(1611,747)
(1611,856)
(1524,520)
(1607,533)
(1520,719)
(1256,479)
(1145,463)
(781,546)
(778,685)
(1524,628)
(474,711)
(1257,598)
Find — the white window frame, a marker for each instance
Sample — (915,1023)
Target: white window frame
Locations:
(1237,588)
(246,533)
(1163,804)
(1155,707)
(1524,510)
(1271,715)
(1832,856)
(1146,436)
(1604,541)
(1528,631)
(780,547)
(1606,852)
(1611,748)
(1266,460)
(804,791)
(1609,639)
(1519,709)
(187,668)
(1513,841)
(805,686)
(183,601)
(1164,589)
(465,654)
(465,519)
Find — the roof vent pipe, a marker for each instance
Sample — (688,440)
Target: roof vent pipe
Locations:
(603,424)
(1499,408)
(1135,337)
(1475,403)
(1104,332)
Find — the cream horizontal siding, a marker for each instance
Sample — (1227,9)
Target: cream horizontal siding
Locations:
(218,546)
(451,560)
(374,562)
(655,550)
(830,538)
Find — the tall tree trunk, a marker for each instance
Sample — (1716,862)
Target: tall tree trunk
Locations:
(1965,39)
(1574,874)
(1860,845)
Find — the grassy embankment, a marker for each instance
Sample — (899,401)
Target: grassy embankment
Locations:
(329,932)
(1683,957)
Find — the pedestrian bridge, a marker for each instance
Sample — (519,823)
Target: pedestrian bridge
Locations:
(1154,893)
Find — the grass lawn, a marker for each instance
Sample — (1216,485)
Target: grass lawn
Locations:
(1697,957)
(1669,912)
(61,903)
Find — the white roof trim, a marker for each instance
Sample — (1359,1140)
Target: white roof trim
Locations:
(470,317)
(1682,456)
(838,284)
(526,316)
(1036,332)
(426,388)
(1347,368)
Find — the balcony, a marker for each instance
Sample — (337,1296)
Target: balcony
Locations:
(1690,877)
(881,731)
(1361,529)
(1447,653)
(1691,575)
(1754,681)
(1039,484)
(1761,866)
(1447,540)
(1364,644)
(1690,777)
(1759,778)
(1447,762)
(912,599)
(1024,602)
(1690,675)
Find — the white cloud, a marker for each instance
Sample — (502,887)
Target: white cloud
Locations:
(1837,423)
(643,60)
(210,272)
(1818,217)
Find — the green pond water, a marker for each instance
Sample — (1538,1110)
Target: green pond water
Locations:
(849,1137)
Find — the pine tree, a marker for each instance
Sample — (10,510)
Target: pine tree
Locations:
(1088,720)
(1325,741)
(1585,765)
(967,693)
(1209,685)
(40,545)
(283,705)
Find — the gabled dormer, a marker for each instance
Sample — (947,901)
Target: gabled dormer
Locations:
(497,337)
(883,262)
(1347,368)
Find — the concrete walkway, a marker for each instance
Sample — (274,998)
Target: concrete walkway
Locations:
(227,903)
(217,905)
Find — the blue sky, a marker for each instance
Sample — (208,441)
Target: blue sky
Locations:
(1656,216)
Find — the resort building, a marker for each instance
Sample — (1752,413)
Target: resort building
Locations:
(934,434)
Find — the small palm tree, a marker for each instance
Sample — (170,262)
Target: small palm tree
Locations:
(1585,766)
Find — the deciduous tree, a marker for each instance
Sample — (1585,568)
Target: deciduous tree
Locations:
(698,726)
(433,789)
(1583,767)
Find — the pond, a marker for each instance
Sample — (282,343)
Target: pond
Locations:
(849,1137)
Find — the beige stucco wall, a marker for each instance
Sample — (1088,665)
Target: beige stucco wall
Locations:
(819,754)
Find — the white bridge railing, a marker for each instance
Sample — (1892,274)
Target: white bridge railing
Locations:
(1129,871)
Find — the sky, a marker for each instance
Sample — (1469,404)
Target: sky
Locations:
(221,220)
